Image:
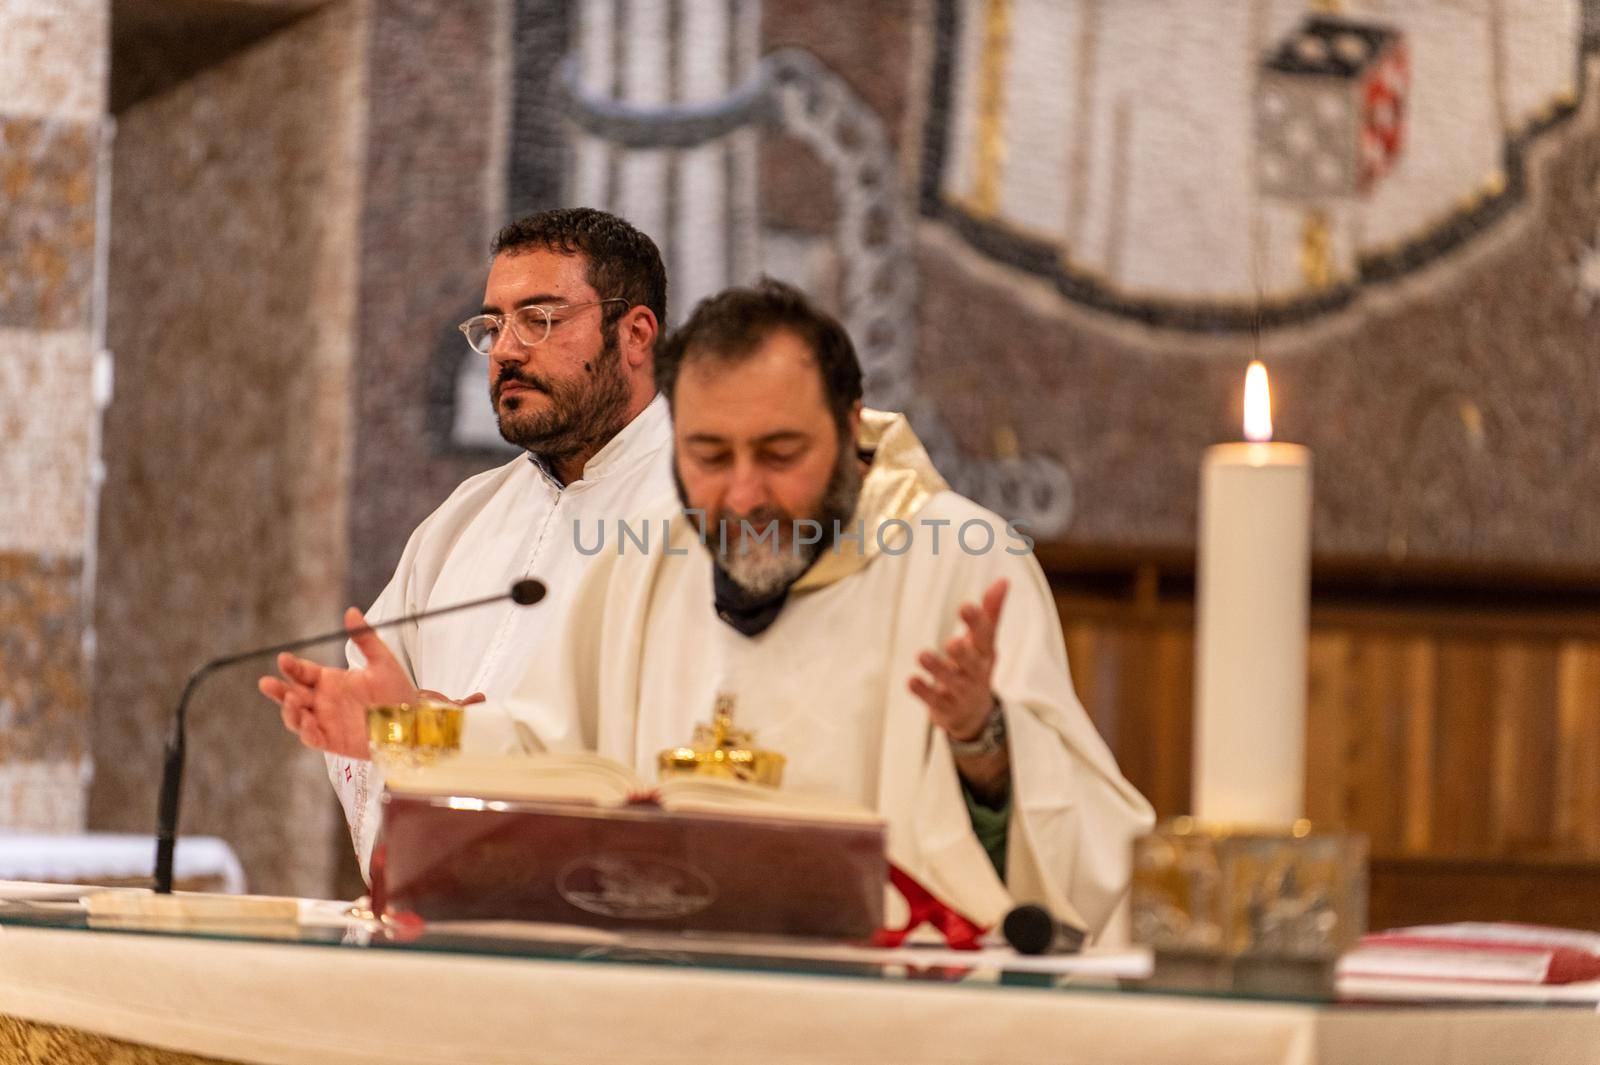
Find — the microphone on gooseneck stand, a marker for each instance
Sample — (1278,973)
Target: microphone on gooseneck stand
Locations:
(525,592)
(1033,930)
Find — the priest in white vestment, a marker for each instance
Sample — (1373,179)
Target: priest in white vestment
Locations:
(911,661)
(897,642)
(572,308)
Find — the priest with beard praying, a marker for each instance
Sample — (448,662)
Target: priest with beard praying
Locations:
(894,640)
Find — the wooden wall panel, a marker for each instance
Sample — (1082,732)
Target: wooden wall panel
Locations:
(1577,800)
(1135,678)
(1525,768)
(1463,738)
(1463,747)
(1421,709)
(1328,659)
(1375,715)
(1172,684)
(1407,891)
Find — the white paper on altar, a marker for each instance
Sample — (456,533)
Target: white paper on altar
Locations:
(1391,989)
(29,891)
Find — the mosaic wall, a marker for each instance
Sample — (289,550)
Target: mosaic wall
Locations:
(52,95)
(433,193)
(725,129)
(232,309)
(1059,228)
(1406,198)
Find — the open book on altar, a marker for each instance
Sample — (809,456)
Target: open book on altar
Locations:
(589,778)
(580,839)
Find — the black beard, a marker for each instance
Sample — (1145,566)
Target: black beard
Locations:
(582,414)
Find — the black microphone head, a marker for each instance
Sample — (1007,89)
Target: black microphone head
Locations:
(527,591)
(1029,929)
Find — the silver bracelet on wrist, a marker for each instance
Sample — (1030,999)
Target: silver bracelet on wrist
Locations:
(992,740)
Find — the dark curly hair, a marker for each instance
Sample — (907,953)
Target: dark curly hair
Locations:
(621,261)
(731,325)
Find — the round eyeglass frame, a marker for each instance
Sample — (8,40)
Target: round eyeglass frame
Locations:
(530,325)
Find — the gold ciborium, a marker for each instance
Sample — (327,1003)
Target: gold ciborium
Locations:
(411,735)
(721,750)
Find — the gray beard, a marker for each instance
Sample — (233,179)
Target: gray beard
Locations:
(763,569)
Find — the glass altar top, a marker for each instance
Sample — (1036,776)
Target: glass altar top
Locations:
(337,926)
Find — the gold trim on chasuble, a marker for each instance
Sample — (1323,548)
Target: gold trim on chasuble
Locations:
(897,486)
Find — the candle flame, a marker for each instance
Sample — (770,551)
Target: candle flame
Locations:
(1257,404)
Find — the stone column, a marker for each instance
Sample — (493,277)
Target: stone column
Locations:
(231,307)
(54,380)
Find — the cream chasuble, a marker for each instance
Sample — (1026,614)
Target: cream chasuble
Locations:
(504,524)
(646,656)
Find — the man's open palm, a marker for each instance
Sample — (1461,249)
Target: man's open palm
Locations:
(326,706)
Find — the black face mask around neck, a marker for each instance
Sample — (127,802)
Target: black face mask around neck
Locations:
(750,615)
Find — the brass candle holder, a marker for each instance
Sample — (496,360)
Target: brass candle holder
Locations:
(1248,908)
(719,749)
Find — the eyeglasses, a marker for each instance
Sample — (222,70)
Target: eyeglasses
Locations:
(530,325)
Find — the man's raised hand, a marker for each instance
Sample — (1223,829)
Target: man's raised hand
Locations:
(326,706)
(958,695)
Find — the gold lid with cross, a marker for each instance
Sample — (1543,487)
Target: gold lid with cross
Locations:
(719,749)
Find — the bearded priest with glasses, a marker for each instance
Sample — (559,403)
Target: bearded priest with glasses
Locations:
(572,310)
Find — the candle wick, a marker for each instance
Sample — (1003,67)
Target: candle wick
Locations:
(1255,320)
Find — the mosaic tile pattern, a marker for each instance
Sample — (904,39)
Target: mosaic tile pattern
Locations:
(47,176)
(426,222)
(223,514)
(1453,417)
(53,58)
(43,700)
(44,796)
(46,413)
(871,45)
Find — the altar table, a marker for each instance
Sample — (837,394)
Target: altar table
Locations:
(331,997)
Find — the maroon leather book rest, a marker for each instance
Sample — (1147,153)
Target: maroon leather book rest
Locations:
(636,867)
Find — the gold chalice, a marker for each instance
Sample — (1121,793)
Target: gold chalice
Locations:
(411,735)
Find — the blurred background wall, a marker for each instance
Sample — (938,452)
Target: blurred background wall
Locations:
(1057,230)
(232,305)
(53,151)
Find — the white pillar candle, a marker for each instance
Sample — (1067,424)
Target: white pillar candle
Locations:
(1254,590)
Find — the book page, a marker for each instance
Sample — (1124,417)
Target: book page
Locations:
(722,795)
(569,777)
(584,777)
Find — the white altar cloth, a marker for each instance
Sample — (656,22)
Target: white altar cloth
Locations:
(289,1003)
(89,857)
